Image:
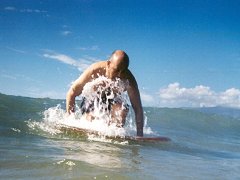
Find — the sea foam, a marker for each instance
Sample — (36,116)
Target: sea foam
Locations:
(55,118)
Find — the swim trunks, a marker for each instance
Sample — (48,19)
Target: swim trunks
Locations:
(104,102)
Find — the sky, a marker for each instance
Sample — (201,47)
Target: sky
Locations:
(182,53)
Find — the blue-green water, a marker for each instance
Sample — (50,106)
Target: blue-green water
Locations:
(205,144)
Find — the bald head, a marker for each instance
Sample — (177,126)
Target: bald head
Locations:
(120,59)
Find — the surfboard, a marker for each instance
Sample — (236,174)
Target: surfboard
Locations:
(129,138)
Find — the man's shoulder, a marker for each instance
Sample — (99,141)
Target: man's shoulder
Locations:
(97,68)
(129,77)
(128,74)
(98,65)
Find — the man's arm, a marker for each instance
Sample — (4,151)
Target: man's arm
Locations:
(135,99)
(70,99)
(76,89)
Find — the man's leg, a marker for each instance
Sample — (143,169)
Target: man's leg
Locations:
(87,108)
(118,114)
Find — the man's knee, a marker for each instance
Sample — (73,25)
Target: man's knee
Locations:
(118,114)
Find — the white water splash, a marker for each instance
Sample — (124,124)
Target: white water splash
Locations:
(16,130)
(56,117)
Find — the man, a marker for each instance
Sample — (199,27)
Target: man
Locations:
(114,68)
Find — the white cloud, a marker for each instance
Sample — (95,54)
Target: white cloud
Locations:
(231,97)
(61,57)
(200,96)
(16,50)
(8,76)
(65,26)
(10,8)
(66,33)
(146,98)
(81,64)
(32,11)
(92,48)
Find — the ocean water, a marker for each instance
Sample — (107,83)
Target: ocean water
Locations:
(205,144)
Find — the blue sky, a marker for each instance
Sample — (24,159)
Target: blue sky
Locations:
(182,53)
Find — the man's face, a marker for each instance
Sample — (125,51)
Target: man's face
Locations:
(114,69)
